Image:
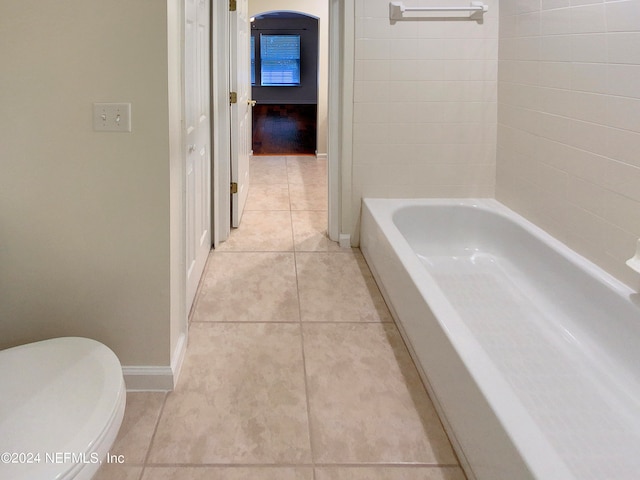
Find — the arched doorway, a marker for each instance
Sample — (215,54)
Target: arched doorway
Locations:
(284,77)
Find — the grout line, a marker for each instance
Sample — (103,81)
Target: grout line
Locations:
(338,252)
(302,350)
(305,465)
(153,437)
(319,322)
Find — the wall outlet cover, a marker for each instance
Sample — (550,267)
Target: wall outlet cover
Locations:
(112,117)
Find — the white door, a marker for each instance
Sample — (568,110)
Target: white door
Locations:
(197,141)
(240,83)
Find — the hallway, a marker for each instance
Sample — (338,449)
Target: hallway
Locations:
(294,369)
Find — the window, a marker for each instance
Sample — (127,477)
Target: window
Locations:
(253,60)
(280,60)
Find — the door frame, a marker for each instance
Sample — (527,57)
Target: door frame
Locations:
(339,119)
(220,123)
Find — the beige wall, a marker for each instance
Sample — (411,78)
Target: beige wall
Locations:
(425,106)
(569,124)
(320,9)
(84,216)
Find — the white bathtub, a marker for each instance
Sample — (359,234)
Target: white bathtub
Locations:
(530,352)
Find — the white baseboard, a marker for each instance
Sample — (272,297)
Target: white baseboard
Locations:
(156,378)
(178,358)
(148,378)
(345,240)
(321,156)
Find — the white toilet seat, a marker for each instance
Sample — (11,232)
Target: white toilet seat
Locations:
(61,400)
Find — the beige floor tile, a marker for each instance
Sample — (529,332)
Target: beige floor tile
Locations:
(249,287)
(260,232)
(338,287)
(274,196)
(140,418)
(227,473)
(308,197)
(307,170)
(389,473)
(310,232)
(367,403)
(240,398)
(118,472)
(265,170)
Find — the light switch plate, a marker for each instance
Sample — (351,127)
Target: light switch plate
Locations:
(112,117)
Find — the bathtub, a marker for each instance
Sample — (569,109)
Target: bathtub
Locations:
(531,354)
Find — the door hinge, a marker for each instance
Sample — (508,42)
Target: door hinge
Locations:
(234,187)
(233,97)
(232,5)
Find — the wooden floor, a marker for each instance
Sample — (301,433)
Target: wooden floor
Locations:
(284,129)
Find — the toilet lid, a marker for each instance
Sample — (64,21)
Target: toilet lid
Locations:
(57,399)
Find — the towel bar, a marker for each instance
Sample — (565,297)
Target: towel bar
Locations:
(397,9)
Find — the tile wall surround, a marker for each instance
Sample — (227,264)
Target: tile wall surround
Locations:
(566,112)
(424,104)
(568,155)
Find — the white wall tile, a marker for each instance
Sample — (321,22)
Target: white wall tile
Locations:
(569,124)
(553,4)
(372,49)
(555,74)
(623,113)
(588,19)
(588,107)
(623,212)
(555,48)
(623,145)
(425,107)
(623,16)
(371,70)
(591,137)
(587,195)
(589,48)
(555,22)
(555,101)
(589,77)
(577,3)
(624,179)
(623,80)
(624,47)
(527,25)
(525,6)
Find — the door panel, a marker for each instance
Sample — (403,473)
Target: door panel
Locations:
(197,141)
(240,82)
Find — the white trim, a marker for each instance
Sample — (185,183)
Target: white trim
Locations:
(334,120)
(178,223)
(177,359)
(345,240)
(148,379)
(156,378)
(346,140)
(220,123)
(321,156)
(341,53)
(340,114)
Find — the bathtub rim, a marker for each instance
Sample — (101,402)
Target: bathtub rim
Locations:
(539,456)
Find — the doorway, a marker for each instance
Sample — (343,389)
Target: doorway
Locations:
(333,126)
(285,82)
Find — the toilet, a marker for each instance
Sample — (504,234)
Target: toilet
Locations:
(61,406)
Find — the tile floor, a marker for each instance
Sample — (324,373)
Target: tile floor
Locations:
(294,369)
